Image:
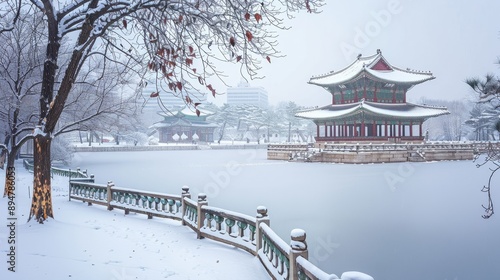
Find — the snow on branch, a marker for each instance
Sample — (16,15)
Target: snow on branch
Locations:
(10,11)
(184,39)
(488,88)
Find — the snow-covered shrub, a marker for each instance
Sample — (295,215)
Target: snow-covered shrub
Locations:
(61,150)
(137,138)
(153,141)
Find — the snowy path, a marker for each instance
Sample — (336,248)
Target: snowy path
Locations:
(91,243)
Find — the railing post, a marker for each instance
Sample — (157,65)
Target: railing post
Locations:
(69,189)
(298,248)
(185,194)
(92,180)
(109,196)
(202,200)
(262,217)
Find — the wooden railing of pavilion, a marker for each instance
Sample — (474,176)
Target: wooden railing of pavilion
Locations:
(252,234)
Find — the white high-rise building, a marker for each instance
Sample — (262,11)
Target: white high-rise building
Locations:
(172,100)
(246,94)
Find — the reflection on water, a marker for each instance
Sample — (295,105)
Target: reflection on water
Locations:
(400,221)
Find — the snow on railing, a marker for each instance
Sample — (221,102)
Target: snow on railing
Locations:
(28,164)
(478,146)
(147,203)
(445,145)
(190,212)
(129,200)
(275,253)
(252,234)
(227,226)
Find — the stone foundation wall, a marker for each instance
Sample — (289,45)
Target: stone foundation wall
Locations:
(378,156)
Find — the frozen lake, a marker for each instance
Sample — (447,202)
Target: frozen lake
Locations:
(400,221)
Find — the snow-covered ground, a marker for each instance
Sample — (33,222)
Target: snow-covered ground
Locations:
(85,242)
(401,221)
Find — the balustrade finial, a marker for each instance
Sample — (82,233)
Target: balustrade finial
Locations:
(202,197)
(262,211)
(298,237)
(185,189)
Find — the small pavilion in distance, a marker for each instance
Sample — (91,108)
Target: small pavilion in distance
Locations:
(369,104)
(185,126)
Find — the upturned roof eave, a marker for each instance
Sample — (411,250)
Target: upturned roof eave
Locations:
(361,107)
(364,73)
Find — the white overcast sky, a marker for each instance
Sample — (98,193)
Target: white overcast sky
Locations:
(452,39)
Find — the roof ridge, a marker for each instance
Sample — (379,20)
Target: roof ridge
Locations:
(357,60)
(414,71)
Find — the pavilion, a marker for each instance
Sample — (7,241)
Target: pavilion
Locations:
(185,125)
(369,103)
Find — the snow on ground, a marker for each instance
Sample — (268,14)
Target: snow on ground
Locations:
(89,242)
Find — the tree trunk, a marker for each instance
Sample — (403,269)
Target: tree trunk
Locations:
(41,205)
(289,130)
(221,132)
(9,180)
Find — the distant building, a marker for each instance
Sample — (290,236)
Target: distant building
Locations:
(185,126)
(244,94)
(169,101)
(369,103)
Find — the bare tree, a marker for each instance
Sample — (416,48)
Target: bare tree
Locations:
(104,99)
(252,118)
(450,127)
(287,111)
(182,38)
(103,94)
(20,76)
(225,117)
(10,11)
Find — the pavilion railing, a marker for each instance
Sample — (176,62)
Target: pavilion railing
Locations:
(281,259)
(477,147)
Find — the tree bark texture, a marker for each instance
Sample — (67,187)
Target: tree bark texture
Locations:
(41,205)
(9,180)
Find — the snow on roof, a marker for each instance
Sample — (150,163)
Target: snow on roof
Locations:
(397,110)
(187,111)
(182,122)
(368,67)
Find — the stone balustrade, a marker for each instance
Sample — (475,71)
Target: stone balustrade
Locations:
(282,260)
(380,152)
(252,234)
(71,173)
